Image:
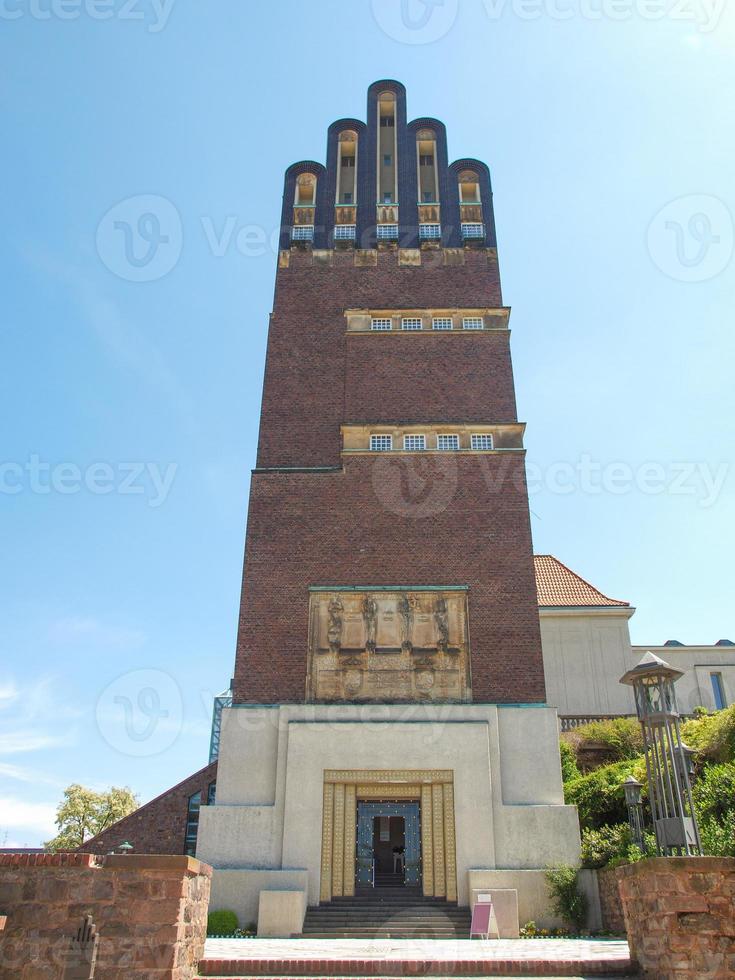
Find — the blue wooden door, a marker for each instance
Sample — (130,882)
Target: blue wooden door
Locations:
(366,813)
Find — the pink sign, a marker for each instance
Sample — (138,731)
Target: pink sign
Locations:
(481,914)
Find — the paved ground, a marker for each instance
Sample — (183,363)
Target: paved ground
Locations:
(581,951)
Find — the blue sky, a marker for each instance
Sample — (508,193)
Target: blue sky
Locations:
(130,408)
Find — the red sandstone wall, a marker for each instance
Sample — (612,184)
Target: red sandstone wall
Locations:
(434,520)
(158,827)
(610,904)
(680,916)
(150,914)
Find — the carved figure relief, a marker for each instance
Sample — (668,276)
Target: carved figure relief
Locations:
(388,646)
(334,631)
(370,615)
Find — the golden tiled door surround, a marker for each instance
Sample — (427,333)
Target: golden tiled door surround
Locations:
(433,788)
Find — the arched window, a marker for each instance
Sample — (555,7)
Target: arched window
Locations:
(387,148)
(427,169)
(469,187)
(305,191)
(347,168)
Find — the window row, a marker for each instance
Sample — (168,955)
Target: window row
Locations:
(417,323)
(416,442)
(427,232)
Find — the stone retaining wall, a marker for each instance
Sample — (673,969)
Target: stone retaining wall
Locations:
(611,908)
(150,913)
(680,916)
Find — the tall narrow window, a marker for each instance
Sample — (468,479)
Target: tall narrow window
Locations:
(718,689)
(426,161)
(387,186)
(305,191)
(347,169)
(469,187)
(192,824)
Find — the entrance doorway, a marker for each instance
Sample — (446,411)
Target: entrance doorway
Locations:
(388,843)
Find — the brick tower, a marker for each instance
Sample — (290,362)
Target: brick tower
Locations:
(389,685)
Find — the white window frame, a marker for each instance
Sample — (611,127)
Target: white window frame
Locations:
(418,437)
(473,323)
(387,233)
(447,435)
(344,233)
(381,323)
(473,229)
(430,231)
(302,233)
(442,323)
(381,442)
(481,437)
(412,323)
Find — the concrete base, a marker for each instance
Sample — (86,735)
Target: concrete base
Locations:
(507,792)
(281,913)
(240,890)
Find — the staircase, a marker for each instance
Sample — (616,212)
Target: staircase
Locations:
(390,910)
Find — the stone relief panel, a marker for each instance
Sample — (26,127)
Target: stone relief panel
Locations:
(388,646)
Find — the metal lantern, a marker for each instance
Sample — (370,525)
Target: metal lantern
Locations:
(667,762)
(126,847)
(635,810)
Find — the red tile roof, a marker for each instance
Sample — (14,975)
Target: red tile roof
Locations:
(557,585)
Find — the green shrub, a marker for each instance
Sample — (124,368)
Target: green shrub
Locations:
(568,901)
(622,737)
(714,791)
(599,795)
(600,847)
(712,735)
(569,767)
(609,847)
(718,836)
(221,922)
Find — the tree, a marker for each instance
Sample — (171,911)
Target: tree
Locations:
(83,813)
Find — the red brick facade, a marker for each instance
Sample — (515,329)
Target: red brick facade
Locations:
(158,827)
(317,517)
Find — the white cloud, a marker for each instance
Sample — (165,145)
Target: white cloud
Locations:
(8,693)
(15,742)
(18,815)
(23,775)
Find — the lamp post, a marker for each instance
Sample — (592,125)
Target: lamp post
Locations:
(667,765)
(635,811)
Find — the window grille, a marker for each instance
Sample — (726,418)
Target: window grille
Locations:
(381,323)
(441,323)
(482,440)
(473,229)
(411,323)
(447,442)
(414,442)
(381,444)
(472,323)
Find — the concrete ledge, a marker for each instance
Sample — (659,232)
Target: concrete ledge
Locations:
(281,913)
